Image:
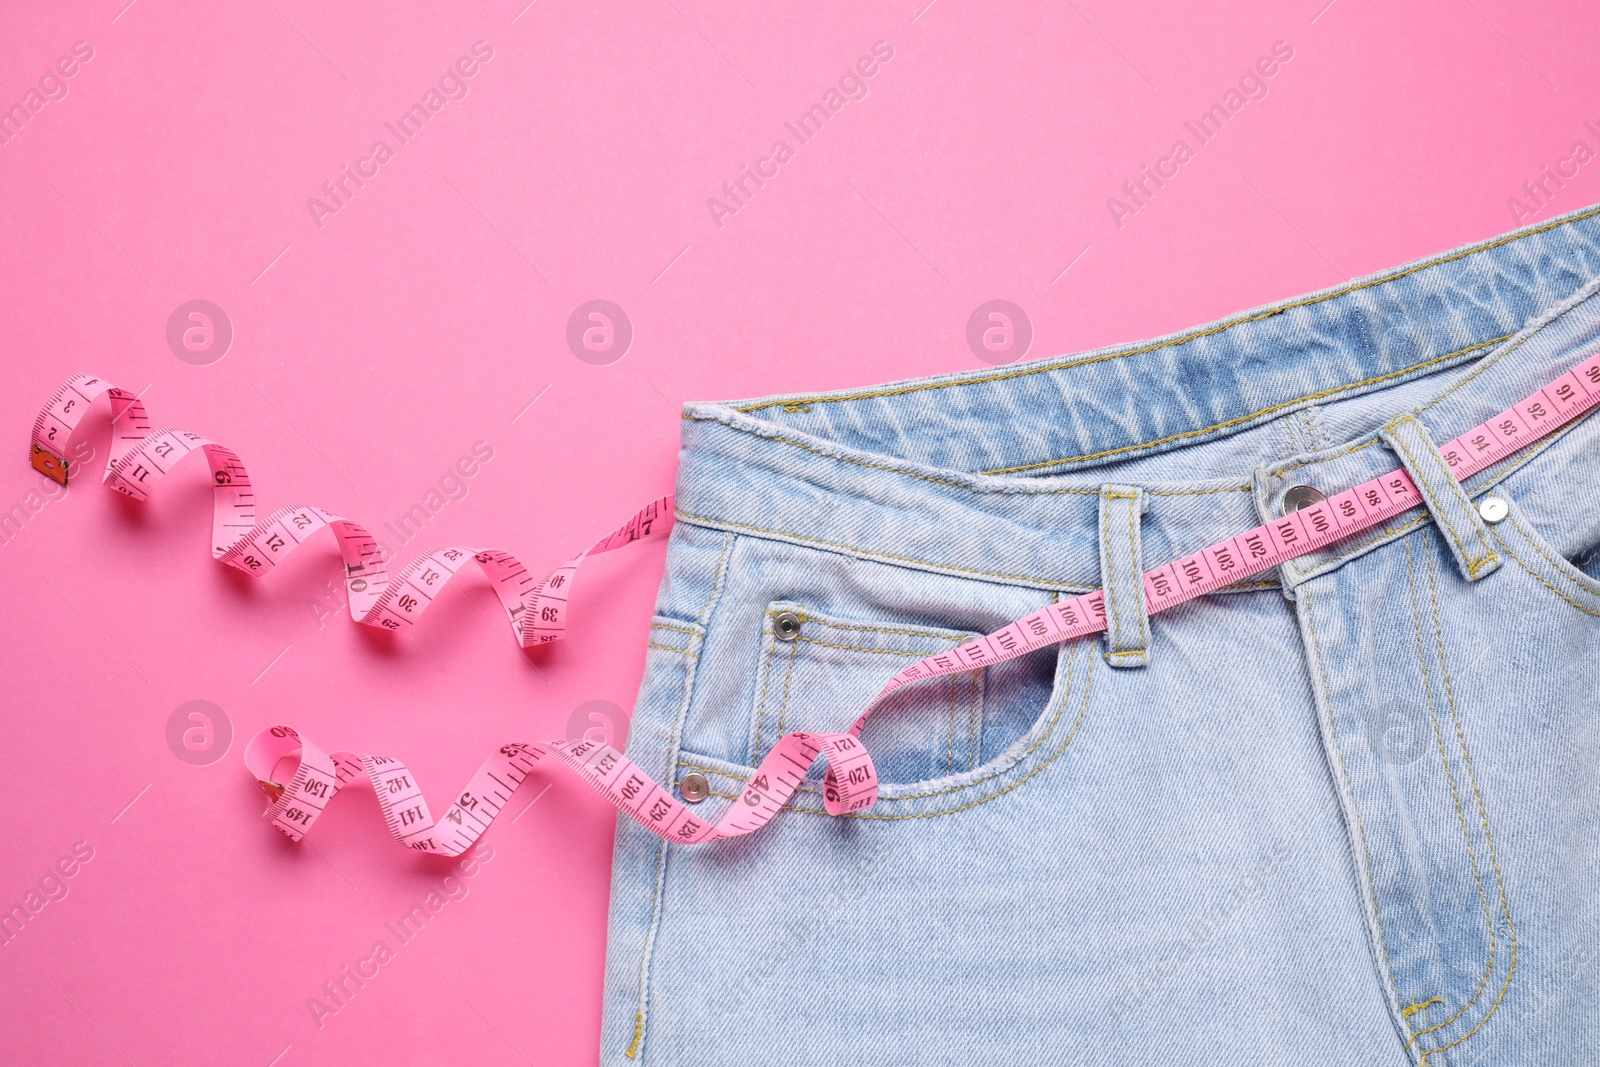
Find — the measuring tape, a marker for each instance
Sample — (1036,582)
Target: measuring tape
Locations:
(139,457)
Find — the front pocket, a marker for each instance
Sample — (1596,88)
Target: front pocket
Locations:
(1545,564)
(819,673)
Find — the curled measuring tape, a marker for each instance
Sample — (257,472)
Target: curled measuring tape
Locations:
(139,457)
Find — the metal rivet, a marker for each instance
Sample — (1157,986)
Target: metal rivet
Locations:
(1300,497)
(786,626)
(1493,509)
(693,787)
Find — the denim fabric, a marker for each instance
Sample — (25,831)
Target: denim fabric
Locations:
(1347,812)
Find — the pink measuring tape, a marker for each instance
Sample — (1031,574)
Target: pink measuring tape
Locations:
(538,613)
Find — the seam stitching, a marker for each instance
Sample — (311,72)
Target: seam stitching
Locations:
(1108,574)
(1434,508)
(1052,585)
(929,633)
(1138,578)
(1209,331)
(1455,795)
(1242,419)
(1350,792)
(788,677)
(1082,711)
(1483,813)
(769,648)
(658,902)
(1066,695)
(1370,540)
(1472,563)
(675,629)
(1534,544)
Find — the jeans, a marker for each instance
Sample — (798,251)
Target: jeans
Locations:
(1343,813)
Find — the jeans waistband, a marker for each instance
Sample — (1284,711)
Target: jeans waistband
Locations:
(996,474)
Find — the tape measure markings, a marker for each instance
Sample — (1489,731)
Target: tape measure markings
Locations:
(539,616)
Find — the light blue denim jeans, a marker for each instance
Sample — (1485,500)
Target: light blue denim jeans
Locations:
(1348,813)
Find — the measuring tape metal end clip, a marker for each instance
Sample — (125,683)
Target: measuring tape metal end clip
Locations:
(139,457)
(49,464)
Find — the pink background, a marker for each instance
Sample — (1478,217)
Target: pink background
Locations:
(429,310)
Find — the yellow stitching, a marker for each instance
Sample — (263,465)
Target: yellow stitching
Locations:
(879,651)
(1487,561)
(1200,492)
(1072,587)
(1088,679)
(1138,577)
(1347,450)
(972,725)
(1489,556)
(1075,587)
(1529,536)
(1344,769)
(632,1051)
(1197,334)
(1364,545)
(1206,333)
(1455,794)
(930,633)
(950,757)
(1422,1005)
(1066,695)
(675,629)
(1018,490)
(761,705)
(670,648)
(1108,563)
(1486,365)
(1553,589)
(1252,416)
(1436,509)
(716,582)
(783,708)
(1483,814)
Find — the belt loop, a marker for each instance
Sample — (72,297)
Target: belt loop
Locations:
(1447,501)
(1122,575)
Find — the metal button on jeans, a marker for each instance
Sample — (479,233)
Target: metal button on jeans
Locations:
(693,787)
(1300,497)
(1493,509)
(786,626)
